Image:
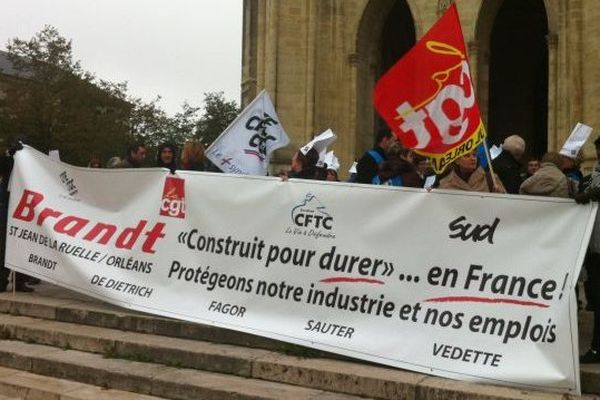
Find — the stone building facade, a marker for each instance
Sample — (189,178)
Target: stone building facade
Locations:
(534,63)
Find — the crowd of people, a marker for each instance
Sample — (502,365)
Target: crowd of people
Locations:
(555,175)
(167,156)
(388,163)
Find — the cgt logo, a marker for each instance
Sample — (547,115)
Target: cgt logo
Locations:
(173,198)
(311,214)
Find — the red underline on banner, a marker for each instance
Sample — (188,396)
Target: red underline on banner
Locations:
(475,299)
(351,280)
(255,153)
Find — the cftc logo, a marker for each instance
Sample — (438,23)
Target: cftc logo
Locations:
(173,198)
(310,218)
(260,139)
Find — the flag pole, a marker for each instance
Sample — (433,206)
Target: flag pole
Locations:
(489,161)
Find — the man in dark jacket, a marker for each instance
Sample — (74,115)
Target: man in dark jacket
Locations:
(136,154)
(508,166)
(4,168)
(6,165)
(591,192)
(368,165)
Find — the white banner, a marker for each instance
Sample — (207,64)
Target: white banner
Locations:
(463,285)
(246,145)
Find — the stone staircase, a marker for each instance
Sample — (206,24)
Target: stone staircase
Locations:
(61,345)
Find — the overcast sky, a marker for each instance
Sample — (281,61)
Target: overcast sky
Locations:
(178,49)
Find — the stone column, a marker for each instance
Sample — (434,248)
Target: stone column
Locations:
(249,59)
(481,88)
(472,54)
(354,60)
(553,112)
(569,77)
(271,48)
(311,55)
(575,26)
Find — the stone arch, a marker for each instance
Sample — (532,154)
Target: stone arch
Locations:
(367,60)
(552,16)
(493,86)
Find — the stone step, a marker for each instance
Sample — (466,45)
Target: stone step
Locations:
(147,378)
(112,343)
(246,360)
(56,303)
(330,375)
(62,305)
(186,384)
(16,384)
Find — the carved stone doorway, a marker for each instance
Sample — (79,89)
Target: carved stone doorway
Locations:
(513,71)
(386,32)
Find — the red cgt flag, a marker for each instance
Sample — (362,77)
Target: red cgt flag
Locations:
(427,97)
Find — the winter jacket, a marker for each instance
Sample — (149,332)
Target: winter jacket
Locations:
(549,181)
(368,166)
(477,182)
(509,171)
(593,190)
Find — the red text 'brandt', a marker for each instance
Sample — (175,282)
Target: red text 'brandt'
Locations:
(27,210)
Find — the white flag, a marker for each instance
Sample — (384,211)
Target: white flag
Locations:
(495,151)
(576,140)
(352,169)
(247,143)
(332,161)
(320,142)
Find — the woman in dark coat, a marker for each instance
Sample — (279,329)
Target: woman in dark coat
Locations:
(304,166)
(166,157)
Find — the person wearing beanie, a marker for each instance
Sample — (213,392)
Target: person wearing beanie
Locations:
(508,164)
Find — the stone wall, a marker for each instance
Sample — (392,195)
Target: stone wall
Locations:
(318,59)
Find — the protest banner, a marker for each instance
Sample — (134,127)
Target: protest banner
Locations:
(463,285)
(427,98)
(245,146)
